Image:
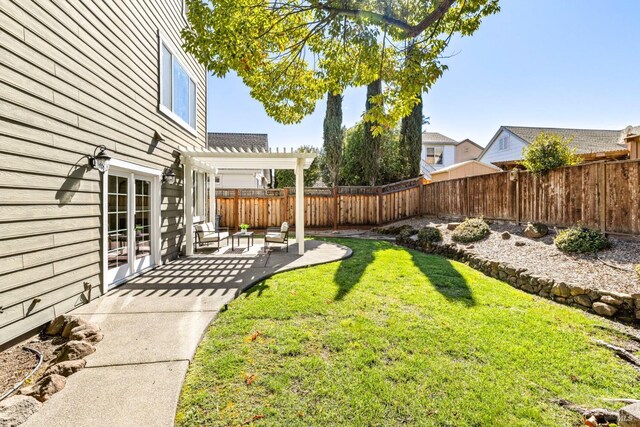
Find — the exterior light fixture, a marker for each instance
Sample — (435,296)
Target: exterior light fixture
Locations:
(158,136)
(169,176)
(100,161)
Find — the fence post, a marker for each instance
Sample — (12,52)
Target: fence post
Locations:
(518,202)
(602,195)
(380,218)
(236,209)
(335,207)
(466,184)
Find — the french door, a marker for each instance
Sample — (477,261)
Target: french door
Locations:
(131,229)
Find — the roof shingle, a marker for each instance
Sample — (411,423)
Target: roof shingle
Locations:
(584,140)
(436,138)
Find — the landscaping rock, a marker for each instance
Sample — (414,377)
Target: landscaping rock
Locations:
(89,332)
(577,290)
(608,299)
(520,243)
(604,309)
(453,225)
(629,416)
(57,325)
(470,246)
(505,235)
(583,300)
(16,409)
(535,230)
(74,350)
(66,368)
(561,290)
(45,387)
(73,322)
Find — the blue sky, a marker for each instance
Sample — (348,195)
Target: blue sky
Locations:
(552,63)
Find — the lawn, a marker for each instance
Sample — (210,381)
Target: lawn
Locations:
(395,337)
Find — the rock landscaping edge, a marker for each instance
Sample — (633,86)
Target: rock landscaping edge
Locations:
(609,304)
(69,359)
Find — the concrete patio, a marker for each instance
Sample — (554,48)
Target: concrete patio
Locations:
(152,326)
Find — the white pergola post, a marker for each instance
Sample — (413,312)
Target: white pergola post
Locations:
(300,205)
(188,206)
(212,197)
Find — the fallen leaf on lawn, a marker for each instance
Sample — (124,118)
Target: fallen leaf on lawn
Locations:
(249,378)
(591,422)
(574,378)
(300,414)
(254,418)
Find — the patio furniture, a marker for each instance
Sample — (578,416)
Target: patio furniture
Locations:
(207,233)
(239,235)
(277,235)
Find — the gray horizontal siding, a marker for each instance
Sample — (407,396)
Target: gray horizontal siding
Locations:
(73,75)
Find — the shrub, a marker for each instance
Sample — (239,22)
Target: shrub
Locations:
(403,236)
(429,235)
(471,230)
(581,240)
(393,229)
(549,151)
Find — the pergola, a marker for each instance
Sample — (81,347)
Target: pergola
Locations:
(211,160)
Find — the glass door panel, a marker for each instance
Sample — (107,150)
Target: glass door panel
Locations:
(118,227)
(142,223)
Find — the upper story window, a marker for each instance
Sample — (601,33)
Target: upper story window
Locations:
(503,143)
(177,89)
(434,155)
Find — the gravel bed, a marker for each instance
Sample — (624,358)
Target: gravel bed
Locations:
(542,258)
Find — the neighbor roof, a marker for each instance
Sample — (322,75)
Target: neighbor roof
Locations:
(238,141)
(584,140)
(436,138)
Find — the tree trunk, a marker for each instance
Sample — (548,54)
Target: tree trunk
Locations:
(371,157)
(333,137)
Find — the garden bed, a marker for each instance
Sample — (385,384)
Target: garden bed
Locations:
(612,270)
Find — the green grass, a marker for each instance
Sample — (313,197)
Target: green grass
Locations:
(395,337)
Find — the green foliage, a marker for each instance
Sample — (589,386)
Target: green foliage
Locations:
(244,226)
(395,337)
(291,53)
(581,240)
(428,235)
(392,164)
(549,151)
(334,135)
(393,229)
(471,230)
(372,140)
(286,178)
(411,131)
(404,234)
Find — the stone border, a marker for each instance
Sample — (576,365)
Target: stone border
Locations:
(613,305)
(69,359)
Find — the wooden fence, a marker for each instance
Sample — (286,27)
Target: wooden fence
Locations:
(603,195)
(324,207)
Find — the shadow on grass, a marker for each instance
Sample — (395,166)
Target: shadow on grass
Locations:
(444,278)
(351,270)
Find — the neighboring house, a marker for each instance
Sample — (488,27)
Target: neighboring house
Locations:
(241,178)
(77,75)
(440,151)
(463,170)
(505,148)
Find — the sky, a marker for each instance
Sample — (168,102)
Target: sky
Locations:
(547,63)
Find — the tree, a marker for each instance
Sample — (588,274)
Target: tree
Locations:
(290,53)
(287,177)
(549,151)
(411,128)
(371,147)
(333,139)
(392,164)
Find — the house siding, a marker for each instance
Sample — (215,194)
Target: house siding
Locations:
(448,154)
(74,75)
(513,151)
(467,151)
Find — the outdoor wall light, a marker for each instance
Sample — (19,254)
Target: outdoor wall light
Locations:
(169,176)
(158,136)
(100,161)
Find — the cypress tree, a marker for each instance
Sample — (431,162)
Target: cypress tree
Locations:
(371,152)
(333,137)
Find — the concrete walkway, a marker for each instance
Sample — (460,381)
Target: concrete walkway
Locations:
(152,326)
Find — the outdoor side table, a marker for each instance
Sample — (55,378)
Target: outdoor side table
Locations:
(240,235)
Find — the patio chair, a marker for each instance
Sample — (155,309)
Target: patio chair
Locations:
(207,233)
(277,235)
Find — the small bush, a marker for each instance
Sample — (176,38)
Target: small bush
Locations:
(549,151)
(403,236)
(581,240)
(392,229)
(471,230)
(429,235)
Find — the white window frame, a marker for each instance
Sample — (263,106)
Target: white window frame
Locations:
(162,40)
(503,143)
(434,156)
(184,10)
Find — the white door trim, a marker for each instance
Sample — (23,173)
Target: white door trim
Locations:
(155,176)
